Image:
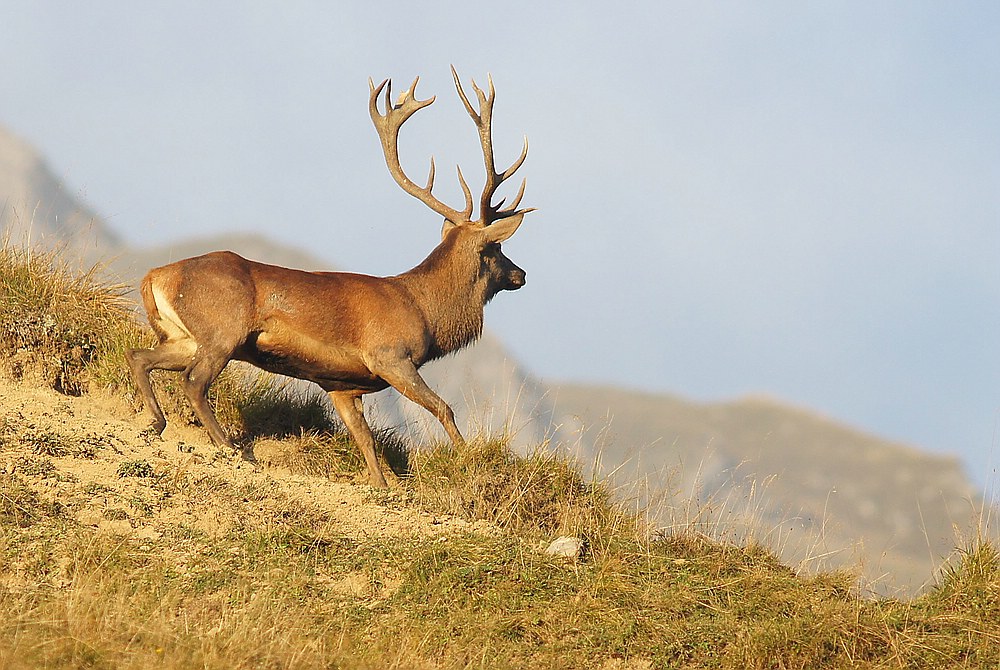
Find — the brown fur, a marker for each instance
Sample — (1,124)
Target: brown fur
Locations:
(351,334)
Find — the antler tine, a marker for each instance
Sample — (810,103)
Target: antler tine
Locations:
(517,199)
(502,213)
(461,94)
(405,107)
(468,193)
(388,96)
(516,165)
(483,118)
(430,177)
(387,127)
(485,101)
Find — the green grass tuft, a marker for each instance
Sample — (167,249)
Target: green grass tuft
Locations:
(543,492)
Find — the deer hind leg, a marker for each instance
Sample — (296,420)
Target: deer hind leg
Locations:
(402,375)
(351,411)
(179,350)
(168,355)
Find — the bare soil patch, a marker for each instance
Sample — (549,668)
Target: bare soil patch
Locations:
(90,456)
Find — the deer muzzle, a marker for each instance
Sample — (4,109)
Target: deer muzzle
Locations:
(515,280)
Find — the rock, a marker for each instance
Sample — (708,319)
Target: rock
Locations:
(566,547)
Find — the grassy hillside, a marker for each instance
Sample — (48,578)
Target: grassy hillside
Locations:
(117,551)
(824,492)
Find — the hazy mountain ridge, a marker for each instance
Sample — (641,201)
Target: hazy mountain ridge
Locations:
(835,483)
(36,208)
(802,475)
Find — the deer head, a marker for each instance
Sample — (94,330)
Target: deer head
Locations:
(495,223)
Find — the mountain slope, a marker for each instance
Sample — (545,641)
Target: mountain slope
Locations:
(35,206)
(121,551)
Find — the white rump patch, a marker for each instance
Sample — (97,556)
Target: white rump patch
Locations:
(169,321)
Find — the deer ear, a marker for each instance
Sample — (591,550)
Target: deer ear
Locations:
(448,225)
(501,230)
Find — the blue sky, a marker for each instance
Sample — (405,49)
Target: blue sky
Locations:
(794,199)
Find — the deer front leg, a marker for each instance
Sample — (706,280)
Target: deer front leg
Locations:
(351,411)
(402,375)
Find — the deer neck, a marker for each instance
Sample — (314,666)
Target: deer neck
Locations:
(448,288)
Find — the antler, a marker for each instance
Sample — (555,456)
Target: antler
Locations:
(387,126)
(488,212)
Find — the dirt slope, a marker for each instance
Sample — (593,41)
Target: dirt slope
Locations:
(88,456)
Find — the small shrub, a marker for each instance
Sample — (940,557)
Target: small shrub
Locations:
(45,443)
(87,452)
(140,469)
(35,467)
(19,505)
(96,488)
(115,514)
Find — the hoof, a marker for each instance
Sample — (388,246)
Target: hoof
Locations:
(247,455)
(151,434)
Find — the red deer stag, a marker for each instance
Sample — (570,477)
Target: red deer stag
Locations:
(351,334)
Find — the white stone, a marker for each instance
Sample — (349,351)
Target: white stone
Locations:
(565,546)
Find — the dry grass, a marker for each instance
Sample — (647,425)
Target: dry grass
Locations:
(58,327)
(289,589)
(543,493)
(272,594)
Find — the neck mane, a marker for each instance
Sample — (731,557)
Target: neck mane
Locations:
(449,289)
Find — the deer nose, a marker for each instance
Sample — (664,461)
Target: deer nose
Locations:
(516,280)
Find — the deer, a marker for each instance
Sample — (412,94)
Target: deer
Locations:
(351,334)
